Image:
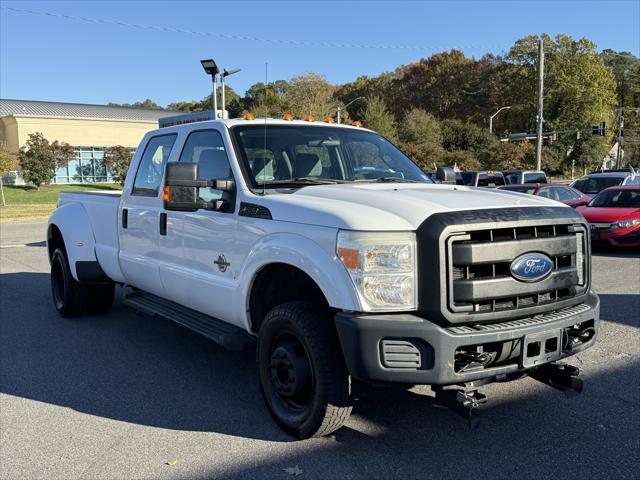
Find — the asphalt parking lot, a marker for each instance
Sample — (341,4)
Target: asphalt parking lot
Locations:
(124,396)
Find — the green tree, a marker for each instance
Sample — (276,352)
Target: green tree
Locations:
(232,99)
(579,88)
(589,152)
(457,135)
(8,162)
(269,99)
(419,127)
(377,118)
(39,158)
(117,160)
(148,103)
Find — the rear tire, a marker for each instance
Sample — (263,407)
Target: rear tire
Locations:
(69,295)
(303,377)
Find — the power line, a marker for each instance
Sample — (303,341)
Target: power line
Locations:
(251,38)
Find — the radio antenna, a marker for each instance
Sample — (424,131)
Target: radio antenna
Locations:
(264,150)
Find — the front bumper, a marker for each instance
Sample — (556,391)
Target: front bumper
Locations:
(365,341)
(628,237)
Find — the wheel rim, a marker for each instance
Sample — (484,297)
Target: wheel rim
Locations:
(57,282)
(291,374)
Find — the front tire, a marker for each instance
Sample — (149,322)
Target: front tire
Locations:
(69,295)
(303,378)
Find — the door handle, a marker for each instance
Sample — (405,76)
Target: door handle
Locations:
(125,218)
(163,224)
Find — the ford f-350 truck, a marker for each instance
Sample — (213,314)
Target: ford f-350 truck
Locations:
(333,254)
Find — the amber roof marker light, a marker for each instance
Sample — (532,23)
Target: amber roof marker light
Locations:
(288,117)
(309,118)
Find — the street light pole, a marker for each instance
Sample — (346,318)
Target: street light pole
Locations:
(345,107)
(211,68)
(225,73)
(491,117)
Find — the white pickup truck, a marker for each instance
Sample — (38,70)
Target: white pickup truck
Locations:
(329,250)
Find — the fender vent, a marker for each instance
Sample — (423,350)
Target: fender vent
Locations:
(400,354)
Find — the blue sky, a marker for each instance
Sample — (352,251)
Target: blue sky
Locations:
(51,58)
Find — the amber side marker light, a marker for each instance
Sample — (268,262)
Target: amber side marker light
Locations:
(328,120)
(357,123)
(248,116)
(288,117)
(166,193)
(350,257)
(309,118)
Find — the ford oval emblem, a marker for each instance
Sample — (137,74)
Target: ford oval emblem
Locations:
(531,267)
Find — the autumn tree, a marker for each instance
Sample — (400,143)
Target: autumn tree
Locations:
(457,135)
(310,94)
(377,118)
(362,88)
(117,160)
(148,103)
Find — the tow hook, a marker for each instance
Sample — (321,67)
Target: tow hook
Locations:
(560,376)
(463,399)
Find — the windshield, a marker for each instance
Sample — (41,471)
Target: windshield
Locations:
(298,155)
(617,198)
(594,185)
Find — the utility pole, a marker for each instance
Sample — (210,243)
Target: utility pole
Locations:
(620,127)
(539,118)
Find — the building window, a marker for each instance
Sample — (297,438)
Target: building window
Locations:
(87,167)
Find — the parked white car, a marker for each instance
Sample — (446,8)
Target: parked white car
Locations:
(334,254)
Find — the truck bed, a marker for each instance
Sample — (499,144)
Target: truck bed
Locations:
(102,212)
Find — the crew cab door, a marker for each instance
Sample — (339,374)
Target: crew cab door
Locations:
(139,216)
(205,271)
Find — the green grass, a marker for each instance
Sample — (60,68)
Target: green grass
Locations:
(28,203)
(48,194)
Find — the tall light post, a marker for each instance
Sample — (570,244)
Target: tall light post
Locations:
(211,68)
(491,118)
(345,107)
(225,73)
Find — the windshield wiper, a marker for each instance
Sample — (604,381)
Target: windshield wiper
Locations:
(302,181)
(385,180)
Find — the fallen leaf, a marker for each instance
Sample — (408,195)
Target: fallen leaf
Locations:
(171,462)
(295,471)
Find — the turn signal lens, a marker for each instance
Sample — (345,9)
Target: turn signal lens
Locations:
(166,192)
(287,116)
(357,123)
(350,257)
(248,116)
(309,118)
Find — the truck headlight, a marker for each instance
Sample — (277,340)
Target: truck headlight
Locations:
(382,266)
(627,223)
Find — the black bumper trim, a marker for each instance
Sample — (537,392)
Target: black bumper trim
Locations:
(360,336)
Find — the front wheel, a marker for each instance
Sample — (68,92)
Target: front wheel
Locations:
(303,377)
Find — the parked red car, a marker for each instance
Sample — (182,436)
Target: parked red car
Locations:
(555,191)
(614,217)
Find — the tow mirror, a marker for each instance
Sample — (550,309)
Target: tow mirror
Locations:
(181,189)
(445,175)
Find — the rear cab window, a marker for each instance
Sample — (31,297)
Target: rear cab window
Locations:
(490,179)
(535,177)
(151,166)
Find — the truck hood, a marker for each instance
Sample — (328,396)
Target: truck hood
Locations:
(388,206)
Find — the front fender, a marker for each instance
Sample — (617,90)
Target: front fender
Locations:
(301,252)
(74,225)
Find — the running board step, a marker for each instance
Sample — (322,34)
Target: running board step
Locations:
(224,334)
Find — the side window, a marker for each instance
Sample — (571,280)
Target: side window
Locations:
(206,148)
(151,168)
(634,180)
(565,194)
(547,192)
